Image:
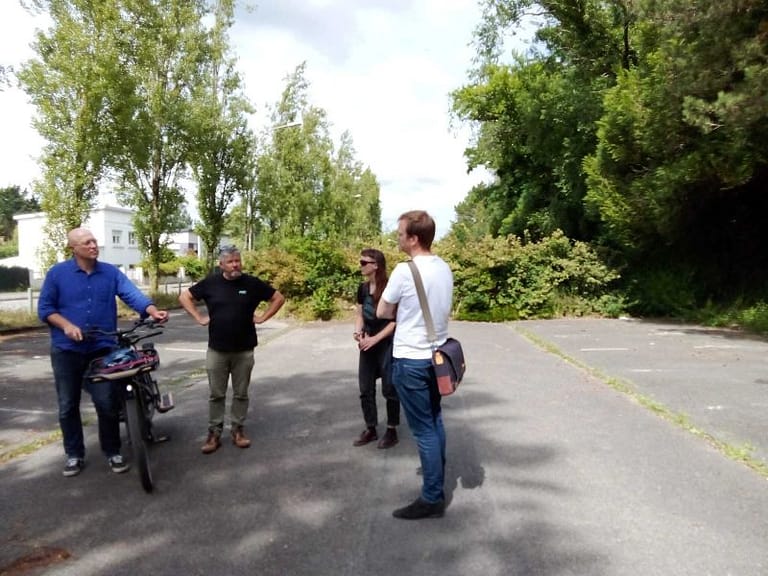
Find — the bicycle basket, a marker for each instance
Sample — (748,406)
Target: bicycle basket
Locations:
(123,363)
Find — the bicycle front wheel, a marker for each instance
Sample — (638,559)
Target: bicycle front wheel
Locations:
(137,432)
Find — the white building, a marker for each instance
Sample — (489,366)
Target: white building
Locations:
(114,233)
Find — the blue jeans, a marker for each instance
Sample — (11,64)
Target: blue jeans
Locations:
(417,390)
(68,371)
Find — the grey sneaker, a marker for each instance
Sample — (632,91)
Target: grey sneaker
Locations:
(117,464)
(73,467)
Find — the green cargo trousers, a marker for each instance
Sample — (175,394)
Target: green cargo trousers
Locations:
(220,366)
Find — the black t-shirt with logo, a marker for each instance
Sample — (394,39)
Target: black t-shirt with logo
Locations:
(231,304)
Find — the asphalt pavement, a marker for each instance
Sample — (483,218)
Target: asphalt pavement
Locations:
(551,470)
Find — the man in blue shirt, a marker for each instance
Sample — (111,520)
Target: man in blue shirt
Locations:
(79,295)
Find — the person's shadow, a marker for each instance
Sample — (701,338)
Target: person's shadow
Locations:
(463,466)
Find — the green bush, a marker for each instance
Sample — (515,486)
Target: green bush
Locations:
(662,292)
(9,249)
(495,279)
(13,279)
(313,275)
(749,316)
(755,318)
(506,278)
(281,268)
(323,304)
(194,267)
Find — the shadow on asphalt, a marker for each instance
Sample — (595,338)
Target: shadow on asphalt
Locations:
(301,501)
(698,330)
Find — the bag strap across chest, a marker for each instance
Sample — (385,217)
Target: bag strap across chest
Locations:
(431,336)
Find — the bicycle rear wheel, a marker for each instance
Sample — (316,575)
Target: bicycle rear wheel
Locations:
(137,431)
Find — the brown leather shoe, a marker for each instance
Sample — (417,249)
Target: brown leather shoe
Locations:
(389,439)
(211,444)
(366,436)
(239,439)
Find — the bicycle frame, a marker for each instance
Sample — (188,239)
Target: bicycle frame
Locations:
(128,369)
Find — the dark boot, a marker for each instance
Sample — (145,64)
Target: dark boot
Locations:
(389,439)
(419,509)
(366,436)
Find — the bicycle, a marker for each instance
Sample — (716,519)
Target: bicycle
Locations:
(129,369)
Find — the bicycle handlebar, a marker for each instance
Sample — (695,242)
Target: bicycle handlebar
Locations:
(129,336)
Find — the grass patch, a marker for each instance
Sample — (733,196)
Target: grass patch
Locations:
(743,454)
(15,319)
(12,319)
(750,317)
(30,447)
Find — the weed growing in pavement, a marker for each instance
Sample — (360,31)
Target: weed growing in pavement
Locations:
(741,454)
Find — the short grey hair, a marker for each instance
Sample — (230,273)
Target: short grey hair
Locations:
(226,250)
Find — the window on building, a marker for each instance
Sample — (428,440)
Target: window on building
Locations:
(116,237)
(131,238)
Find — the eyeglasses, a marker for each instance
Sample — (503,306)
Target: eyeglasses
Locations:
(366,262)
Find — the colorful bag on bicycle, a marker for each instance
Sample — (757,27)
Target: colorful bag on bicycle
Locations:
(122,363)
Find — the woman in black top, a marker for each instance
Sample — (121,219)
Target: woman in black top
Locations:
(374,339)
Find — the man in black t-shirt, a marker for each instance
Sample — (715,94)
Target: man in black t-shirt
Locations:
(231,298)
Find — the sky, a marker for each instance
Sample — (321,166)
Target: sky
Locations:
(383,70)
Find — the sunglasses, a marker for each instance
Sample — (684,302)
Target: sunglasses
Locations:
(366,262)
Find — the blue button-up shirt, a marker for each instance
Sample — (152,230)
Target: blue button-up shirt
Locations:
(88,301)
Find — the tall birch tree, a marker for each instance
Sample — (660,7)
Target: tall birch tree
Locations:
(223,155)
(73,82)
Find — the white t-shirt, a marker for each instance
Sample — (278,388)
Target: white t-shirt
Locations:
(410,339)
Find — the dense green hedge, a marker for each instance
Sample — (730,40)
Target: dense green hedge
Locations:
(496,279)
(13,278)
(507,278)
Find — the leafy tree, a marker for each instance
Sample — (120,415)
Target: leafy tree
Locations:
(112,83)
(353,209)
(536,116)
(679,172)
(294,172)
(636,124)
(305,187)
(222,157)
(163,59)
(474,219)
(368,206)
(536,125)
(13,201)
(72,81)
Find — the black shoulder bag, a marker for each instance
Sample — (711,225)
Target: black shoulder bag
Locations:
(448,358)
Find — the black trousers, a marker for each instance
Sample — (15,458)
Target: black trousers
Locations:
(377,363)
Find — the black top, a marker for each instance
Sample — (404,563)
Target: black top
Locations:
(371,324)
(231,304)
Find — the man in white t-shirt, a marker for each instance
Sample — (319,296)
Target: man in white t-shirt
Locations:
(412,372)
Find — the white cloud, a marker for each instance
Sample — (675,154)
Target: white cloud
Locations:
(382,69)
(20,144)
